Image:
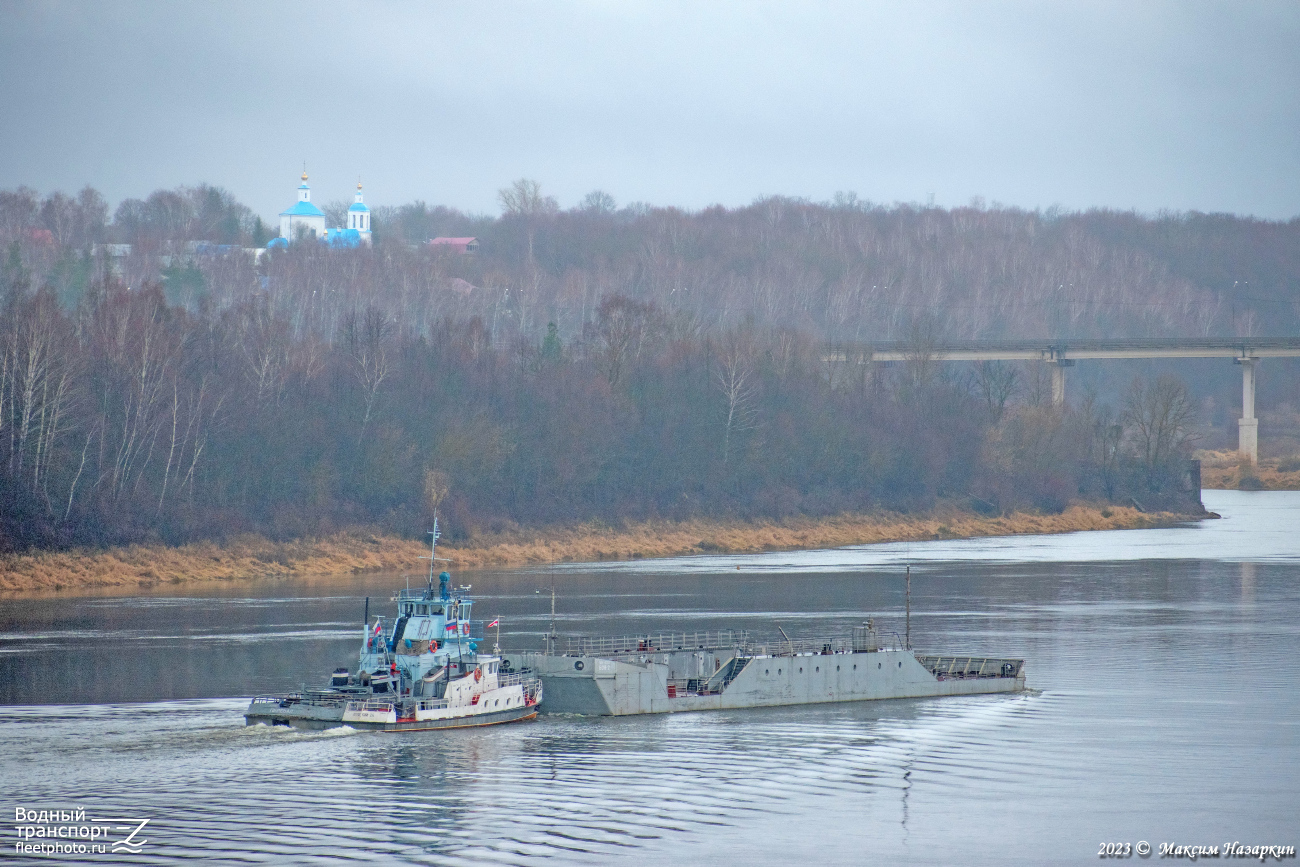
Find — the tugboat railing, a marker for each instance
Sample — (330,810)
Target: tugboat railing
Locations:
(380,706)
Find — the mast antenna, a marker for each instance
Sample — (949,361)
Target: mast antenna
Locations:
(433,550)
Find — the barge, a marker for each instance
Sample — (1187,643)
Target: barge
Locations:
(673,672)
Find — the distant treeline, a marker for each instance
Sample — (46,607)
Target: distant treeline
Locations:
(841,270)
(124,417)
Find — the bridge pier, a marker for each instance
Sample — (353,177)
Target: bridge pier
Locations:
(1248,425)
(1058,379)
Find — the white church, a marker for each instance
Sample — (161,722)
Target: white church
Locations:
(307,221)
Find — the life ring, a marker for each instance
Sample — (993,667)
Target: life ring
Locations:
(478,675)
(433,645)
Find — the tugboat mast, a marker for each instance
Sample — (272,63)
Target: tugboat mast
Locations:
(433,550)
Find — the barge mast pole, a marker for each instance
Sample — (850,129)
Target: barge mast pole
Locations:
(908,621)
(552,638)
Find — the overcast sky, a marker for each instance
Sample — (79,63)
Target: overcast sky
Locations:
(1150,105)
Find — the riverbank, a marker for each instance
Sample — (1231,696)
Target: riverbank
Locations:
(1225,471)
(138,567)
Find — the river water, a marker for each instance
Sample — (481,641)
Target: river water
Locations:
(1163,667)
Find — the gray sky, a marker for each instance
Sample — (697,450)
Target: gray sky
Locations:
(1180,105)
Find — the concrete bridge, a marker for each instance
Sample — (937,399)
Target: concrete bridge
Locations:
(1064,354)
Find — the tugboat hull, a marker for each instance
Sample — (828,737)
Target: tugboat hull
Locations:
(316,721)
(482,698)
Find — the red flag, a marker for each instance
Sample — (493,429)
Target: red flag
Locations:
(494,623)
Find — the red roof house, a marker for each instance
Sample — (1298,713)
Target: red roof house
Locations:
(460,245)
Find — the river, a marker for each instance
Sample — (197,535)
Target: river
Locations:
(1164,708)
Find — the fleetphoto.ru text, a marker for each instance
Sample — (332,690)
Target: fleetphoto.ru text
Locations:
(72,833)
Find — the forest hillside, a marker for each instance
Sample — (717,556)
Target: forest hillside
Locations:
(164,378)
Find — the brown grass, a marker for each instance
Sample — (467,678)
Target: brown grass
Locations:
(1224,470)
(137,566)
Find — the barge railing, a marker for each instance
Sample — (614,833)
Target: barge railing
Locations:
(661,642)
(738,641)
(944,667)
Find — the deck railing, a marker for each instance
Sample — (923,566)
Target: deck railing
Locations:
(660,642)
(380,706)
(944,667)
(738,641)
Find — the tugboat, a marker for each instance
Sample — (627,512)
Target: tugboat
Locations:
(422,672)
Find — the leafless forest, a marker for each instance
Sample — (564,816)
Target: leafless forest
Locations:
(160,381)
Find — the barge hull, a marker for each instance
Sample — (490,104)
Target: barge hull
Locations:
(624,684)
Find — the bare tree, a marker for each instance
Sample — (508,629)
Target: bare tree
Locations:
(524,198)
(59,215)
(1160,416)
(366,339)
(437,485)
(192,411)
(598,202)
(1107,447)
(622,327)
(919,367)
(734,378)
(264,344)
(36,380)
(137,352)
(19,211)
(996,382)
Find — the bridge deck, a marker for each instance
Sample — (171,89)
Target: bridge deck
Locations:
(1058,350)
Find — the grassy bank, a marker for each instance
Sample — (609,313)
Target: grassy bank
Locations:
(144,566)
(1223,470)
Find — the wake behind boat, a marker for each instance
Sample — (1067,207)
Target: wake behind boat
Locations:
(422,672)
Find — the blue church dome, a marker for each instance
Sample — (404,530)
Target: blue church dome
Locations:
(342,238)
(303,209)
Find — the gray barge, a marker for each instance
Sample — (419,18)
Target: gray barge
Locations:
(672,672)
